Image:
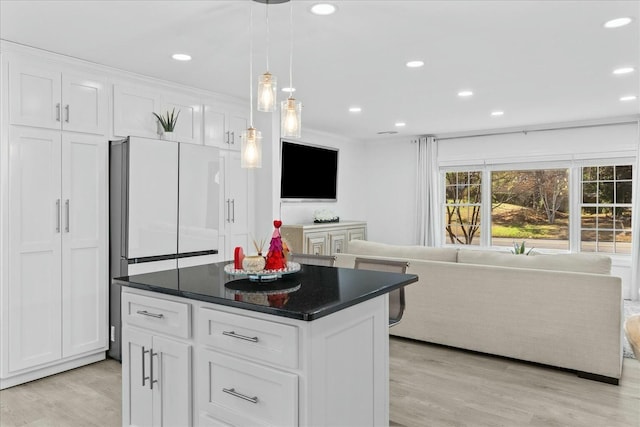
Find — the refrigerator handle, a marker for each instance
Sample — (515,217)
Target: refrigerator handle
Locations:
(228,202)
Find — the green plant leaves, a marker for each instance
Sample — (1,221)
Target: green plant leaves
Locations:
(168,122)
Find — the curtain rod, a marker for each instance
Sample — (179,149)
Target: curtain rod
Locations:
(525,131)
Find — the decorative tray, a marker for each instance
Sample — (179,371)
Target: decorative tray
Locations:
(263,275)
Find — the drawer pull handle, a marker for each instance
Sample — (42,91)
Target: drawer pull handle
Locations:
(146,313)
(233,392)
(241,337)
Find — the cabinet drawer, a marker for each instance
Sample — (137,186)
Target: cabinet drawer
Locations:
(257,339)
(245,393)
(157,314)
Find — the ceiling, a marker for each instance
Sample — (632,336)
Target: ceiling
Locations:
(540,62)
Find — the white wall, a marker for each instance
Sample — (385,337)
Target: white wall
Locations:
(391,191)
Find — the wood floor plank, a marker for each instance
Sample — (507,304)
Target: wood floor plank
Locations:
(430,385)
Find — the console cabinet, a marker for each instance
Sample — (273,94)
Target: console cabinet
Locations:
(323,239)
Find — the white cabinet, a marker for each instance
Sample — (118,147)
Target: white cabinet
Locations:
(56,292)
(156,368)
(133,108)
(323,239)
(44,96)
(157,383)
(223,125)
(235,206)
(251,368)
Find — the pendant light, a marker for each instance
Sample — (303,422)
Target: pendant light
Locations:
(251,139)
(291,110)
(267,84)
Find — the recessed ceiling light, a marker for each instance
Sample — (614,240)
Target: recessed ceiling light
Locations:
(618,22)
(323,9)
(181,57)
(415,64)
(355,109)
(628,98)
(400,124)
(497,113)
(289,89)
(465,93)
(624,70)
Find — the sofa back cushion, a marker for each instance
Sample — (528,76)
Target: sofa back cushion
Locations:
(580,263)
(365,247)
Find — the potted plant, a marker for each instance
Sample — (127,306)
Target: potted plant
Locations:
(168,122)
(519,249)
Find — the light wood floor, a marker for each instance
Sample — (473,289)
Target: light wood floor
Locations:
(430,385)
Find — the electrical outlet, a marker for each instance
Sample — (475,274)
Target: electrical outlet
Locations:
(113,333)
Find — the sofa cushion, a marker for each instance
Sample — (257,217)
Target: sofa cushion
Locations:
(580,263)
(365,247)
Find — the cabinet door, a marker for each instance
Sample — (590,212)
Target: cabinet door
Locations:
(172,392)
(238,123)
(357,234)
(34,95)
(133,110)
(84,252)
(84,104)
(236,204)
(215,126)
(189,125)
(137,396)
(34,285)
(316,243)
(337,242)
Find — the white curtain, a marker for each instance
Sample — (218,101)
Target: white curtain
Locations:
(428,209)
(635,226)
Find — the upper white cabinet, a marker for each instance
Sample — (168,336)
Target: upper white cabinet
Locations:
(189,125)
(57,269)
(44,96)
(133,108)
(223,125)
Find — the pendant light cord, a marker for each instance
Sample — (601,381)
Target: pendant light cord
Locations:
(250,65)
(291,49)
(266,8)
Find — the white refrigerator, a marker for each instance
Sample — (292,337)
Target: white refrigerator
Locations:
(164,211)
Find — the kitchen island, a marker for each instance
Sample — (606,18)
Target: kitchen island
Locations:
(204,347)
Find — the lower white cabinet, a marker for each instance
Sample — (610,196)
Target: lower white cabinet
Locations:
(252,368)
(156,380)
(54,298)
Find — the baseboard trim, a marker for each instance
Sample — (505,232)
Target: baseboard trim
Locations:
(50,370)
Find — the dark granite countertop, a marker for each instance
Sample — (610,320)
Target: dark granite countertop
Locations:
(308,294)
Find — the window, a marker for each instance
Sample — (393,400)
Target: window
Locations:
(462,207)
(605,223)
(530,205)
(534,205)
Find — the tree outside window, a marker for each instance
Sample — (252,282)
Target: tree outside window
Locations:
(462,207)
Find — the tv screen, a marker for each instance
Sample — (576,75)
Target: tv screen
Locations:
(309,172)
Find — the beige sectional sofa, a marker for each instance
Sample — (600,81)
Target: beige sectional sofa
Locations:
(562,310)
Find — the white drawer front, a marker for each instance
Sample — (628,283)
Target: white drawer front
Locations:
(257,339)
(157,314)
(246,394)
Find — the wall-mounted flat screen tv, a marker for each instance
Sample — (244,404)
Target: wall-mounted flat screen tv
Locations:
(309,173)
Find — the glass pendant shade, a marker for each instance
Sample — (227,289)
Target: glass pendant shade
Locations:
(251,149)
(267,96)
(291,118)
